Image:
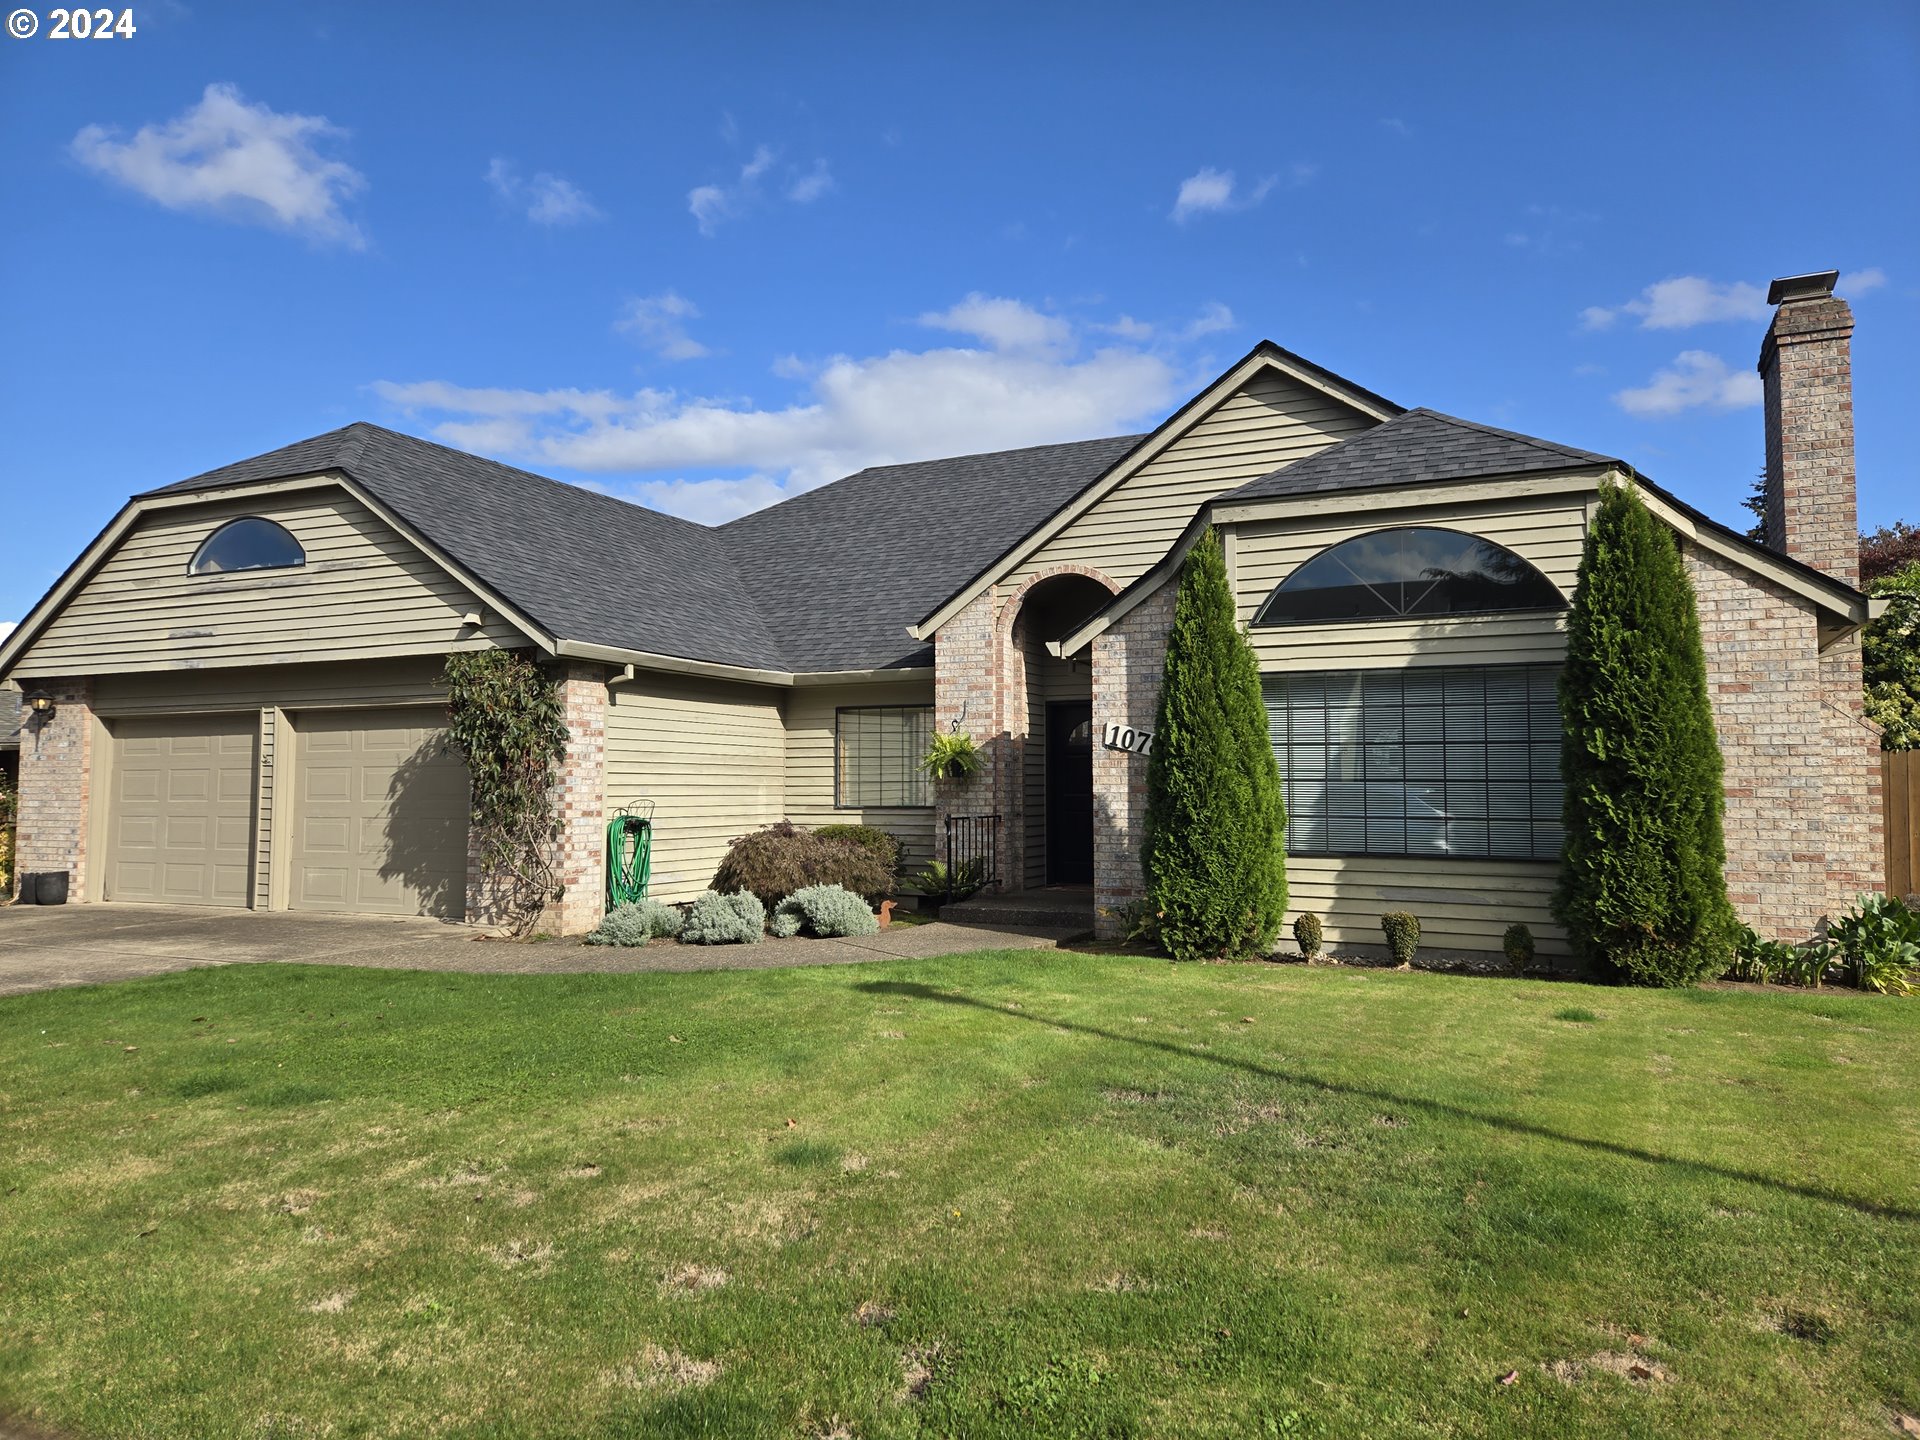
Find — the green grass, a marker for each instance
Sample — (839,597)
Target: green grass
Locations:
(1013,1194)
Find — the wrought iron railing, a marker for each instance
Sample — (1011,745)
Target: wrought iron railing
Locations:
(973,854)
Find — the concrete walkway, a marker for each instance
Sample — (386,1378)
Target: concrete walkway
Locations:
(46,946)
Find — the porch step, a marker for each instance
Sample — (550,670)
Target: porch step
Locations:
(1065,911)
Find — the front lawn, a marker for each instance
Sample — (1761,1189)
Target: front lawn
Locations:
(1020,1193)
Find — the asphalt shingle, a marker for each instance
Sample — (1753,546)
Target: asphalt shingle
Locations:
(829,580)
(1416,448)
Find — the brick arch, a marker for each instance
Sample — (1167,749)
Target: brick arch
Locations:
(1016,602)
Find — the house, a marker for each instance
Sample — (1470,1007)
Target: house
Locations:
(242,666)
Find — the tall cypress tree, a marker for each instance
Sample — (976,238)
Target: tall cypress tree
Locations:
(1214,855)
(1642,883)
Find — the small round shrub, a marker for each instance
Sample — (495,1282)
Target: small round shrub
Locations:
(1403,935)
(636,924)
(716,919)
(1517,945)
(829,910)
(1306,933)
(884,847)
(775,862)
(783,924)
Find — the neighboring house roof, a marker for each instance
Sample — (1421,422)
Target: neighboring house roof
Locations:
(1418,448)
(841,571)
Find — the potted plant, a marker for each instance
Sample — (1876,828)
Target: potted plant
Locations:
(952,755)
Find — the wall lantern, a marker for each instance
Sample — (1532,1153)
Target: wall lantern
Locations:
(41,704)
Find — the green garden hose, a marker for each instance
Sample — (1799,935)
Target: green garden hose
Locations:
(629,859)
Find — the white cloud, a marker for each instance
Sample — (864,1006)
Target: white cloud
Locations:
(1006,325)
(1682,302)
(659,323)
(1859,282)
(241,161)
(546,199)
(1213,317)
(1213,192)
(1206,191)
(1396,125)
(1029,383)
(711,205)
(7,628)
(812,185)
(1696,379)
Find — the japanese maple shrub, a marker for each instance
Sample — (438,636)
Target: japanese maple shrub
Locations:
(1642,884)
(1216,824)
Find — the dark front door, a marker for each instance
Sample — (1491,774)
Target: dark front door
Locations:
(1070,793)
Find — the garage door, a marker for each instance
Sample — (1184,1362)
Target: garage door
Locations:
(380,815)
(180,821)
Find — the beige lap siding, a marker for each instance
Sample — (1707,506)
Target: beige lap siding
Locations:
(1270,422)
(1462,904)
(712,756)
(810,722)
(364,591)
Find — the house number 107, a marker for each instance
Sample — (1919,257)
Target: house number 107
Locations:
(1124,737)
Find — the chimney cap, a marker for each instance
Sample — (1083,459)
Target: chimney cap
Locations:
(1789,288)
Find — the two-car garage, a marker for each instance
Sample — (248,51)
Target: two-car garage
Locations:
(360,811)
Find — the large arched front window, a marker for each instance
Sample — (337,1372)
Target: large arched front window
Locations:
(248,543)
(1415,572)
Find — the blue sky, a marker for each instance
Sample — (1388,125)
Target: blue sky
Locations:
(704,255)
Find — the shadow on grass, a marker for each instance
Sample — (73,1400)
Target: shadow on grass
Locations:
(906,989)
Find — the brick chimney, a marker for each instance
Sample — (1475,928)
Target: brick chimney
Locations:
(1806,364)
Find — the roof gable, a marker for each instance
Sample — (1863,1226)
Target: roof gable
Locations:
(1264,357)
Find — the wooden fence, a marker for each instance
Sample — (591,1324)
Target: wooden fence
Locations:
(1900,794)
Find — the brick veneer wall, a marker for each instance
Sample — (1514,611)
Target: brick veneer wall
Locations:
(1802,770)
(970,682)
(56,787)
(580,798)
(1128,663)
(1807,368)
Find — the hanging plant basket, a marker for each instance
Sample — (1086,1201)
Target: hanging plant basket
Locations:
(951,756)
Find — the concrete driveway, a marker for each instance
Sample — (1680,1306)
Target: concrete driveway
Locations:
(43,946)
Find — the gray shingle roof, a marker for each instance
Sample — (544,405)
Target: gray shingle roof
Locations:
(841,571)
(583,566)
(828,580)
(1415,448)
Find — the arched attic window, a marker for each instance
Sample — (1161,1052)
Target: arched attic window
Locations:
(1415,572)
(249,543)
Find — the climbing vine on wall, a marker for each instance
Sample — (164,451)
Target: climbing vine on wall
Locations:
(505,718)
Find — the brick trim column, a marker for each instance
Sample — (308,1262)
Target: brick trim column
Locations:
(579,797)
(56,787)
(1129,663)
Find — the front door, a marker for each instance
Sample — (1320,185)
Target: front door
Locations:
(1070,792)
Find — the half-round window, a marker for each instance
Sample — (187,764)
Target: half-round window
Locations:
(1415,573)
(249,543)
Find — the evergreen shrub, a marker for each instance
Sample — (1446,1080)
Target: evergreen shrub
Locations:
(637,923)
(826,910)
(1642,884)
(716,919)
(1214,851)
(773,863)
(1403,935)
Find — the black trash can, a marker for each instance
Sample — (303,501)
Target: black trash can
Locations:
(29,889)
(51,887)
